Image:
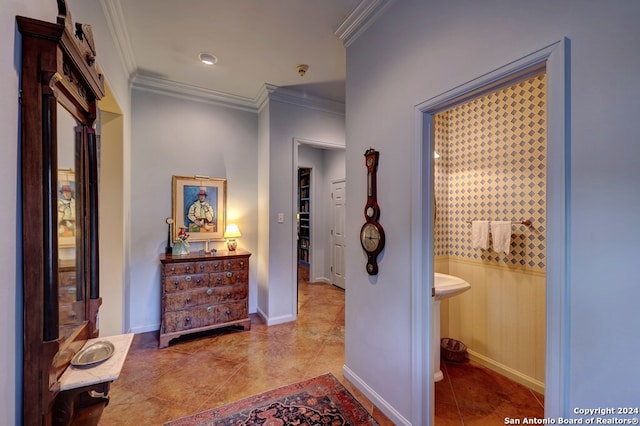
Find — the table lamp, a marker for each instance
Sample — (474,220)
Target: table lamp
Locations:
(231,233)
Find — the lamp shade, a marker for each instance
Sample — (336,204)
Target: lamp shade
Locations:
(232,231)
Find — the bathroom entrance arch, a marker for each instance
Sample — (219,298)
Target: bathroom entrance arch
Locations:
(550,59)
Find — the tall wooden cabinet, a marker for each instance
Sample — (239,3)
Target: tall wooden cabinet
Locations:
(203,292)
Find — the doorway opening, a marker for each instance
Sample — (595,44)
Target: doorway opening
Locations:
(112,177)
(491,167)
(317,166)
(550,60)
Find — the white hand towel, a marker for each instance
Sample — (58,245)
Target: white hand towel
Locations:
(501,234)
(480,234)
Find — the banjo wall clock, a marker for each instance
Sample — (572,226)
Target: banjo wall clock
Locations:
(371,233)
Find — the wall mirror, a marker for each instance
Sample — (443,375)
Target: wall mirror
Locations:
(60,87)
(69,185)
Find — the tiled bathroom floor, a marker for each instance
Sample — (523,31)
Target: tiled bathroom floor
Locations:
(471,394)
(158,385)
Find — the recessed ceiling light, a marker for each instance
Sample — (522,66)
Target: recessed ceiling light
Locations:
(207,58)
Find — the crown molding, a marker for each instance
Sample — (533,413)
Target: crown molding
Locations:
(362,17)
(116,23)
(183,91)
(269,92)
(262,98)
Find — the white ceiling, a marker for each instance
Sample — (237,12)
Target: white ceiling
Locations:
(255,41)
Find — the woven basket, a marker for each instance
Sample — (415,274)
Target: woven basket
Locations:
(453,350)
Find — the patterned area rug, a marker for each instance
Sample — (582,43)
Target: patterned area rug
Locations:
(318,401)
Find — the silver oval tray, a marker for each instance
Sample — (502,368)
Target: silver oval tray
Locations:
(93,354)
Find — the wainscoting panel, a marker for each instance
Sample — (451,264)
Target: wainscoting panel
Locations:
(501,318)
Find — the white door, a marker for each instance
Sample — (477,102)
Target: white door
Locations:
(338,196)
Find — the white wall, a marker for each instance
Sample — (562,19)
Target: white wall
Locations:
(172,136)
(335,163)
(431,47)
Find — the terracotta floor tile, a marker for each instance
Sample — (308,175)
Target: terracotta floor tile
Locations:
(136,409)
(444,392)
(211,369)
(447,414)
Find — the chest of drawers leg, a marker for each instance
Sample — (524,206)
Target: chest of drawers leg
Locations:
(202,293)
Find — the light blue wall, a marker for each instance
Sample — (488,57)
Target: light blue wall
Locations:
(418,50)
(172,136)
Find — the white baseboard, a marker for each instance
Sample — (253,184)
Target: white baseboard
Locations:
(376,399)
(145,328)
(275,320)
(321,280)
(509,372)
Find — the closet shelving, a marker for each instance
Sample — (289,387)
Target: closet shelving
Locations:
(304,216)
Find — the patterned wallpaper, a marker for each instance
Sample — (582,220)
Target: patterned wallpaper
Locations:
(492,166)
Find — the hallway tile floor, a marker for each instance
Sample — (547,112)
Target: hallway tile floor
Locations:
(202,372)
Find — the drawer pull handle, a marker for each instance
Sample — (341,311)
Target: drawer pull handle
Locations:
(209,291)
(187,320)
(98,395)
(188,300)
(209,309)
(219,279)
(228,265)
(229,274)
(173,268)
(228,294)
(242,263)
(72,314)
(187,268)
(216,266)
(199,280)
(228,313)
(188,278)
(176,283)
(202,267)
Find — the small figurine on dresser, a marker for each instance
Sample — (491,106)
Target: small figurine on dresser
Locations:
(181,245)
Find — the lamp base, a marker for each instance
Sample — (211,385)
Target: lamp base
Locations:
(232,245)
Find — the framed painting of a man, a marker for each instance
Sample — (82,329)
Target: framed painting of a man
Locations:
(199,205)
(66,208)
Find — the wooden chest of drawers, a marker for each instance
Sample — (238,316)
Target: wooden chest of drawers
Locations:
(70,298)
(203,292)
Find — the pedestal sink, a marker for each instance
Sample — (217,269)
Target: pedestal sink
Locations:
(445,286)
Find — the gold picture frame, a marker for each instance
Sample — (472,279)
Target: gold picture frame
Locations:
(199,206)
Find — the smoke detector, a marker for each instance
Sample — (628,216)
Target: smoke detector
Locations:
(302,69)
(207,58)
